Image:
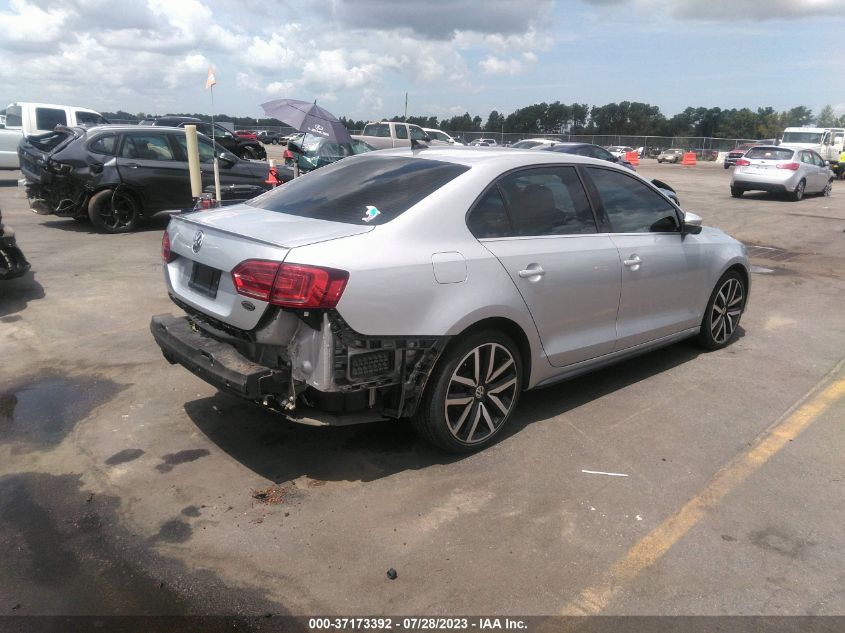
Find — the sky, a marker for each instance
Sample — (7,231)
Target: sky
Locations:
(358,58)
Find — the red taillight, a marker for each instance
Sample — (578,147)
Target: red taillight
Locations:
(789,166)
(743,162)
(166,255)
(289,285)
(288,155)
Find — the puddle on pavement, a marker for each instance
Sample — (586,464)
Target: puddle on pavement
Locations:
(38,412)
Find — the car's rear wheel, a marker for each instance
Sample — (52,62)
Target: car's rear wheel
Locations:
(798,193)
(723,312)
(249,153)
(114,211)
(471,394)
(737,192)
(275,141)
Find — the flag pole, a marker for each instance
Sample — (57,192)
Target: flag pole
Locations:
(216,163)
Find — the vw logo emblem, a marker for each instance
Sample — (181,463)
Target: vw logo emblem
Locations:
(197,245)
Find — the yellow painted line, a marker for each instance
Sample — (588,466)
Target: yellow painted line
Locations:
(656,543)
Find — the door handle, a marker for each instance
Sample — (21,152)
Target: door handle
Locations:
(132,165)
(634,261)
(532,272)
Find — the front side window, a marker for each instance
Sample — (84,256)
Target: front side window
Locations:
(146,147)
(417,133)
(631,205)
(104,144)
(49,118)
(89,118)
(206,149)
(401,131)
(370,189)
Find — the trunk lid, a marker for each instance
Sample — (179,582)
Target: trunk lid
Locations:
(209,244)
(35,150)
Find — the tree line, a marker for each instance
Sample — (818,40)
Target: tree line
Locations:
(628,118)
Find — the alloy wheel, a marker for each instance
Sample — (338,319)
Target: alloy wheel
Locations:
(119,214)
(481,393)
(726,310)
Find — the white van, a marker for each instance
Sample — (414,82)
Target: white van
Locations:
(25,118)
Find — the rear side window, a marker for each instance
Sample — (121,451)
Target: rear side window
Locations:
(105,144)
(49,118)
(14,116)
(377,129)
(770,153)
(631,205)
(364,190)
(146,147)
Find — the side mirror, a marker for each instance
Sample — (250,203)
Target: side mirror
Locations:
(227,159)
(692,223)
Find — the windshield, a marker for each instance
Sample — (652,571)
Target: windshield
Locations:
(367,190)
(803,137)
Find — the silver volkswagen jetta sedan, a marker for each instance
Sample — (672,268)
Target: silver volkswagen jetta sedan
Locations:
(439,283)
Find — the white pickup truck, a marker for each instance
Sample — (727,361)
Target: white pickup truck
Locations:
(387,134)
(827,141)
(24,119)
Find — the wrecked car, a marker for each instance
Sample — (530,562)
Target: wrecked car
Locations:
(117,175)
(12,262)
(437,284)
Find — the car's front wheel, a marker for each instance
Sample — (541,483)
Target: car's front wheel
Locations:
(828,189)
(724,309)
(471,394)
(114,211)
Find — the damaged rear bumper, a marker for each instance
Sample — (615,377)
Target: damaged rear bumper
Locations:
(215,362)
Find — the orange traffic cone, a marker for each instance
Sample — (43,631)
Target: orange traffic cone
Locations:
(633,158)
(689,159)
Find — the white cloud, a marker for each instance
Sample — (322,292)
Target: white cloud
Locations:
(492,65)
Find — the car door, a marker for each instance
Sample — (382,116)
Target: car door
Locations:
(819,170)
(147,162)
(539,224)
(663,271)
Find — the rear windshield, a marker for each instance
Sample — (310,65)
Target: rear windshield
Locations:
(364,190)
(770,153)
(48,141)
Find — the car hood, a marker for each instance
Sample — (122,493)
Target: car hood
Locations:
(272,227)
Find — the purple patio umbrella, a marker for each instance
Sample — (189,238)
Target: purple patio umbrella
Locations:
(308,117)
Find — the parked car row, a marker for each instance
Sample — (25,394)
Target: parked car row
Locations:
(242,147)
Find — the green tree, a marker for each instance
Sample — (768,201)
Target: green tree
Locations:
(798,116)
(827,117)
(495,122)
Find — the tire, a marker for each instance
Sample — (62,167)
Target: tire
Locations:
(275,141)
(249,153)
(736,192)
(828,188)
(114,211)
(466,401)
(727,166)
(724,310)
(798,194)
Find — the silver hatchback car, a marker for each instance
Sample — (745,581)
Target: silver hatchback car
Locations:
(782,170)
(437,284)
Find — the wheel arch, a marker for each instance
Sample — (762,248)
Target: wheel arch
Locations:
(139,200)
(513,331)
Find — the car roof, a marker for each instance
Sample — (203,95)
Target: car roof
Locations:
(507,156)
(124,127)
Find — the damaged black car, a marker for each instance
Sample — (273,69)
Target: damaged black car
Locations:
(115,176)
(12,262)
